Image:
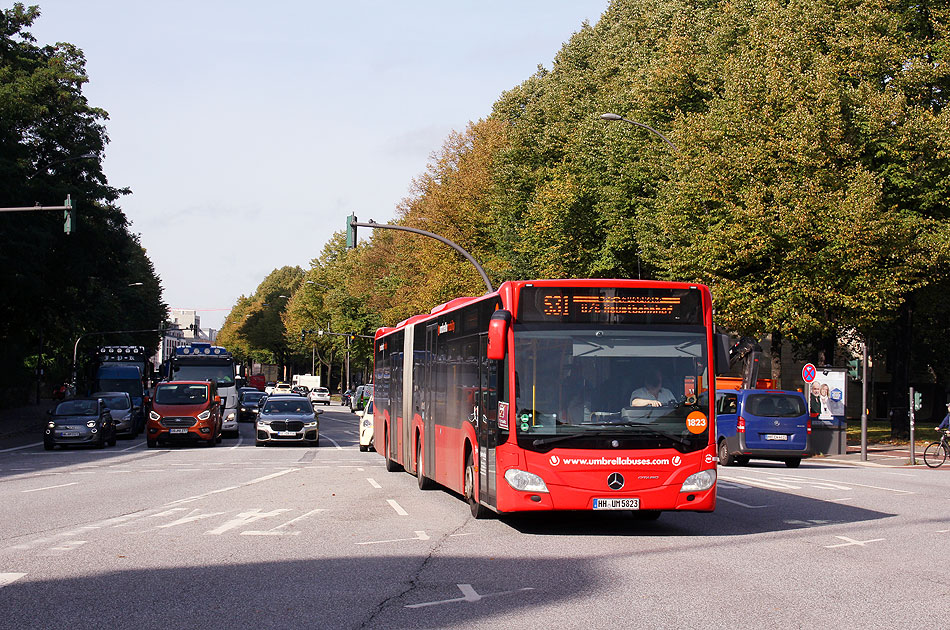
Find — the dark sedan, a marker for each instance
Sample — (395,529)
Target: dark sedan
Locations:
(80,421)
(249,405)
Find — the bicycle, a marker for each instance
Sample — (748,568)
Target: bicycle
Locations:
(936,453)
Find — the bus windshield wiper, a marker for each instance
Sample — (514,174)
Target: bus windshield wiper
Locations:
(568,436)
(648,429)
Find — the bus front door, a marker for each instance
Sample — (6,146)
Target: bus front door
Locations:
(487,424)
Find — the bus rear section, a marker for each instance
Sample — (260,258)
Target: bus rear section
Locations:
(556,395)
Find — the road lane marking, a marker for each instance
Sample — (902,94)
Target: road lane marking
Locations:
(274,530)
(469,594)
(851,541)
(419,535)
(133,447)
(19,448)
(62,485)
(245,518)
(334,442)
(745,505)
(6,579)
(229,488)
(397,507)
(373,483)
(188,519)
(761,484)
(65,547)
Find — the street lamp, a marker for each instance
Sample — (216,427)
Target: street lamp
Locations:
(136,284)
(614,117)
(45,167)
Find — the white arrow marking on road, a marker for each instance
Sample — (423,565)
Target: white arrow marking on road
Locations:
(274,530)
(62,485)
(420,535)
(245,518)
(851,541)
(189,519)
(468,595)
(9,578)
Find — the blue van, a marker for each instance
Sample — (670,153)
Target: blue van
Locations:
(762,424)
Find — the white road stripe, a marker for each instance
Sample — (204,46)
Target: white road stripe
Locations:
(751,507)
(19,448)
(133,447)
(397,507)
(246,483)
(334,442)
(7,579)
(62,485)
(373,483)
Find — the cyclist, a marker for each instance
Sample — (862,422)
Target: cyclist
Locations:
(945,424)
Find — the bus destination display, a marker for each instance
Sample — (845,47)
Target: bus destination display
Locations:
(610,305)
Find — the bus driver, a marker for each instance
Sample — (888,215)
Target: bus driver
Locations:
(652,394)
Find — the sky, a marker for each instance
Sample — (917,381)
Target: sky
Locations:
(248,131)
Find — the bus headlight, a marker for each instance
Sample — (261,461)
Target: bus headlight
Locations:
(697,482)
(525,481)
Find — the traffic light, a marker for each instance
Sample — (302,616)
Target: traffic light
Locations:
(918,401)
(69,216)
(854,369)
(351,231)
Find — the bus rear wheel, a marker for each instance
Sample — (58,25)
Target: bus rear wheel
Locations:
(424,482)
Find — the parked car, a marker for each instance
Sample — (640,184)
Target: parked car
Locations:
(185,412)
(122,411)
(762,424)
(320,395)
(366,426)
(288,418)
(249,405)
(80,421)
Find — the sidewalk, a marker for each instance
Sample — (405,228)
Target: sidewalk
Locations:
(879,455)
(23,423)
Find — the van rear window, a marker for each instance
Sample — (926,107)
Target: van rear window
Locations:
(775,405)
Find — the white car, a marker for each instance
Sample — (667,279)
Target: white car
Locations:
(320,395)
(366,426)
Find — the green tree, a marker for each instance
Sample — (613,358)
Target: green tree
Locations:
(55,286)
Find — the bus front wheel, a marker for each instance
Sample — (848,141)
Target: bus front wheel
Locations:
(479,511)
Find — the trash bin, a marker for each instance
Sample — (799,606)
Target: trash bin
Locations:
(829,437)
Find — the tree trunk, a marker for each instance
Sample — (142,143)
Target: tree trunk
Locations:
(776,352)
(899,360)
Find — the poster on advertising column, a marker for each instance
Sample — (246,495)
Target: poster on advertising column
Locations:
(827,394)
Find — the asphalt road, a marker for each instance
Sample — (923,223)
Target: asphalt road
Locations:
(296,537)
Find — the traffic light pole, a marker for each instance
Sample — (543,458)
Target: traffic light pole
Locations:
(352,224)
(864,403)
(913,458)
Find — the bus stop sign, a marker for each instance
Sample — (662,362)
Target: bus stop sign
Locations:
(808,373)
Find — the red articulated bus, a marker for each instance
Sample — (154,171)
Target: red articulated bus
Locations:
(555,395)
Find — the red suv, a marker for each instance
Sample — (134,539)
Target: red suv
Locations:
(185,411)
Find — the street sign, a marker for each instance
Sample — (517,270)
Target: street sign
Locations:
(808,373)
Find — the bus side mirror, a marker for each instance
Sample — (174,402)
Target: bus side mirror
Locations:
(498,334)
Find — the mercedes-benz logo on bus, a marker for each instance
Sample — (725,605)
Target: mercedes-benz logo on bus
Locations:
(615,481)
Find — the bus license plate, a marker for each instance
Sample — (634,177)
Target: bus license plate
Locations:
(616,504)
(780,437)
(178,430)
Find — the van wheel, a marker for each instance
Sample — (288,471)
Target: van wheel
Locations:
(793,462)
(725,459)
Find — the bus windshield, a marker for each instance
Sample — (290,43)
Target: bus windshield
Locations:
(582,386)
(220,373)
